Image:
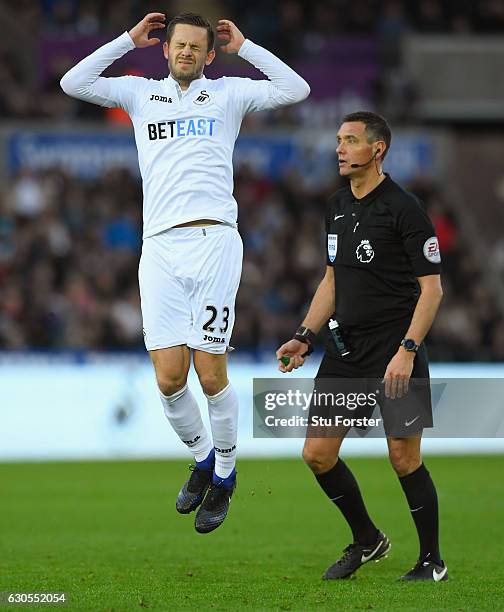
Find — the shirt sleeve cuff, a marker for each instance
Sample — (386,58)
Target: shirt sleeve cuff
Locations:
(246,45)
(127,41)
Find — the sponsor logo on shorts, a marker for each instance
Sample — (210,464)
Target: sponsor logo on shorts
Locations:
(431,250)
(408,423)
(208,338)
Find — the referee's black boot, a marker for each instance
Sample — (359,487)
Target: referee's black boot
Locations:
(427,570)
(356,555)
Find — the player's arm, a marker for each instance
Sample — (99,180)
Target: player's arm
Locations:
(321,308)
(284,86)
(83,81)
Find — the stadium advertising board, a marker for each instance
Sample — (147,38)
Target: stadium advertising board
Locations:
(89,154)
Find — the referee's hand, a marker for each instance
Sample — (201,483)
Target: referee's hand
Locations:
(293,351)
(398,373)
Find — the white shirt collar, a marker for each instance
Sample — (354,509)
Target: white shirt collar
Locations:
(194,84)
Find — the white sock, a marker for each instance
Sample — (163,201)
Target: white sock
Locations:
(223,412)
(183,412)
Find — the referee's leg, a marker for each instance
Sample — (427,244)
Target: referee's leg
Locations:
(321,453)
(417,484)
(340,485)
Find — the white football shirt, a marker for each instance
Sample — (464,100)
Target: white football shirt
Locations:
(185,139)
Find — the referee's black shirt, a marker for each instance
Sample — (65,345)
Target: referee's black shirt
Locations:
(377,247)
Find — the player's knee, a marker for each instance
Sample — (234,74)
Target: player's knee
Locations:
(318,461)
(170,384)
(402,462)
(212,383)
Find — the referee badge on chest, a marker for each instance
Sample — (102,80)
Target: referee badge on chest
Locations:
(364,251)
(332,246)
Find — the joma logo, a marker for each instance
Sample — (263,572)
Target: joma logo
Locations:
(213,339)
(160,99)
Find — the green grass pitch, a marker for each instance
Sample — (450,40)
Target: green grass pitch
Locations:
(108,534)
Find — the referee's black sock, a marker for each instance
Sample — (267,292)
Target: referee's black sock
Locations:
(340,486)
(422,499)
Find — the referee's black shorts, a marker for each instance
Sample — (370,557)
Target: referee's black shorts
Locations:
(362,372)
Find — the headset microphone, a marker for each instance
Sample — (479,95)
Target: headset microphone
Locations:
(367,163)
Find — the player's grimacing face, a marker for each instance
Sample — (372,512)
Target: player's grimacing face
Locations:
(353,147)
(187,52)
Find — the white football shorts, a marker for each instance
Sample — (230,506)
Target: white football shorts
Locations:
(188,278)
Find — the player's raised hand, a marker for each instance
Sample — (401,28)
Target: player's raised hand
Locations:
(140,33)
(230,35)
(289,355)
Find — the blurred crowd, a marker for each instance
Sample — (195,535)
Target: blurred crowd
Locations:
(294,29)
(263,16)
(69,252)
(68,262)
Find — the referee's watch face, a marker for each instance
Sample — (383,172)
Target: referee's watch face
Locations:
(354,148)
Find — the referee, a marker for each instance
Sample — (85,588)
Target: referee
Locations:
(381,248)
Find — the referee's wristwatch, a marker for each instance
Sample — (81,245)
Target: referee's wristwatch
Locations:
(304,334)
(409,345)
